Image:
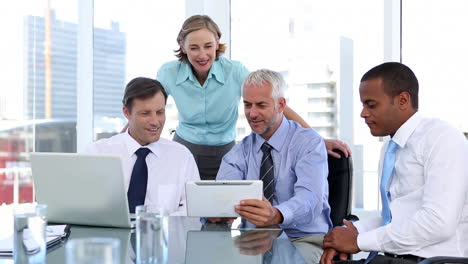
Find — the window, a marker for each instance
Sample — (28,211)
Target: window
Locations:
(39,92)
(131,39)
(322,48)
(434,42)
(38,95)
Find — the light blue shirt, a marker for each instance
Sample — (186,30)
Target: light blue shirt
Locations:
(208,112)
(301,170)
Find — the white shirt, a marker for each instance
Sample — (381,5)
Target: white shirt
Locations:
(170,166)
(429,194)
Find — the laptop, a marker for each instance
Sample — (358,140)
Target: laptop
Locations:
(81,189)
(218,198)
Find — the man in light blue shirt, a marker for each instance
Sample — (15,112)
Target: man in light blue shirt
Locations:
(298,201)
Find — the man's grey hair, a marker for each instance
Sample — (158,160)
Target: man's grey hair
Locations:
(259,77)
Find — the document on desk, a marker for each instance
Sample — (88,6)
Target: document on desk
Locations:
(54,234)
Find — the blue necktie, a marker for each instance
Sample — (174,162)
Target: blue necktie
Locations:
(387,170)
(139,180)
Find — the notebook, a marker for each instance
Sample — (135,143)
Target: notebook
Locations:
(81,189)
(218,198)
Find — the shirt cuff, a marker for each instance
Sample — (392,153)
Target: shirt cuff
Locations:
(368,241)
(287,214)
(368,224)
(360,228)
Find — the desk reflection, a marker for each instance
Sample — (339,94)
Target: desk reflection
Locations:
(127,255)
(235,246)
(191,242)
(256,242)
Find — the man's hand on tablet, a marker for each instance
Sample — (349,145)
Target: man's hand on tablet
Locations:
(259,212)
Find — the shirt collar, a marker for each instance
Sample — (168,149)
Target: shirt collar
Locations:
(277,139)
(132,145)
(404,132)
(185,72)
(217,71)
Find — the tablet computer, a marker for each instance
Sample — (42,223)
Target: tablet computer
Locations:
(218,198)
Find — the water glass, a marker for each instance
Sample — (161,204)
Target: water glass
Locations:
(152,234)
(93,250)
(29,237)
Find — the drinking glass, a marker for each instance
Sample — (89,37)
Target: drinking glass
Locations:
(93,250)
(152,234)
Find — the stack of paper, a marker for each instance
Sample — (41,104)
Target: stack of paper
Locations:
(54,235)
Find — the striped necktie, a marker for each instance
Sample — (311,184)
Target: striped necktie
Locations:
(267,173)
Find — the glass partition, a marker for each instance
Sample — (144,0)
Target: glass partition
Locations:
(131,39)
(322,48)
(38,92)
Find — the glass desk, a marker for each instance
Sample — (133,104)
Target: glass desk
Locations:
(191,242)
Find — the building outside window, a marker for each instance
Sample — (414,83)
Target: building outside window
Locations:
(322,48)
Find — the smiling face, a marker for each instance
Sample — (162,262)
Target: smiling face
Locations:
(382,113)
(263,113)
(200,47)
(146,118)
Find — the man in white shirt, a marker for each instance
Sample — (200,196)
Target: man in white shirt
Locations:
(424,201)
(169,165)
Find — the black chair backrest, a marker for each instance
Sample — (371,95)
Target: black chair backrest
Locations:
(340,178)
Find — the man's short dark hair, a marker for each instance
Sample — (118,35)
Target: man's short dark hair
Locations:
(396,78)
(141,88)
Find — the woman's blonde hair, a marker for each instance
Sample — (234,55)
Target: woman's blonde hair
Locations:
(194,23)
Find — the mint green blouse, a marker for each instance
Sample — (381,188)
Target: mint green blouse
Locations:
(208,112)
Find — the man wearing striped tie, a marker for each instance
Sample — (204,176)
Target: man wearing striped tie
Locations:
(423,179)
(289,159)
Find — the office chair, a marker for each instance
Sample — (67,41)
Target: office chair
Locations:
(441,260)
(340,179)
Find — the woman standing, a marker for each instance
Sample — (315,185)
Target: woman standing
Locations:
(206,88)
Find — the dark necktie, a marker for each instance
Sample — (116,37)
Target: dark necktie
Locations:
(139,180)
(267,173)
(387,170)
